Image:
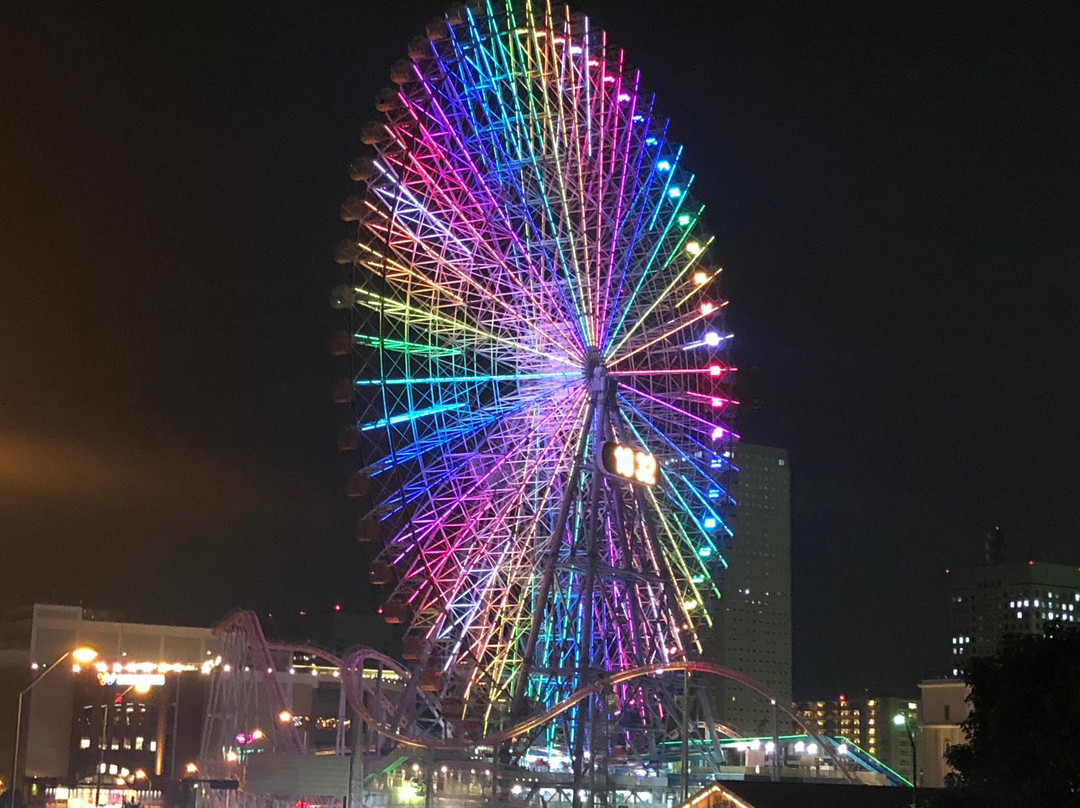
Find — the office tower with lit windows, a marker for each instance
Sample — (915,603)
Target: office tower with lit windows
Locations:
(752,628)
(992,601)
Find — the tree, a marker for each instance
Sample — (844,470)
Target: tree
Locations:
(1022,734)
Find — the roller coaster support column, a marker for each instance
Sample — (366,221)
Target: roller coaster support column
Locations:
(429,779)
(356,765)
(686,738)
(774,772)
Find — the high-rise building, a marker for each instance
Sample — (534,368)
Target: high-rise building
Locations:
(752,630)
(992,601)
(867,722)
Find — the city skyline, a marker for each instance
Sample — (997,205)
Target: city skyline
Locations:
(891,193)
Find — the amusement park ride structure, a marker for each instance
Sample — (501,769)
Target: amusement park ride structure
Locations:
(535,362)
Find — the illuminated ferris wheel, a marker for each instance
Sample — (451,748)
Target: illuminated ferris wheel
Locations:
(537,375)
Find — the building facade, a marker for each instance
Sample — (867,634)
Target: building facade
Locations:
(752,628)
(992,601)
(944,708)
(867,722)
(92,723)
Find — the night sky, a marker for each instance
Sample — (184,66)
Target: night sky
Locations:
(894,190)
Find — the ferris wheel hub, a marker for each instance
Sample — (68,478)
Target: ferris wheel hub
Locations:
(594,366)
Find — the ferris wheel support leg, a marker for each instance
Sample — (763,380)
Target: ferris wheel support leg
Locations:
(551,557)
(584,716)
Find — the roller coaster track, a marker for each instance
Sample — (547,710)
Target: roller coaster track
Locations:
(354,686)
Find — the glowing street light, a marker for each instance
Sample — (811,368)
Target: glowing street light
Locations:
(82,655)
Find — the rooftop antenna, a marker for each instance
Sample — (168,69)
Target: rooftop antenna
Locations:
(995,545)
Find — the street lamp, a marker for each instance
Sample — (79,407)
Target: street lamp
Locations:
(81,655)
(140,774)
(901,720)
(105,736)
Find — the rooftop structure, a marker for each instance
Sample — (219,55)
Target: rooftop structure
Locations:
(992,601)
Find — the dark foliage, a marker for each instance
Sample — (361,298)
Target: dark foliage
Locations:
(1022,747)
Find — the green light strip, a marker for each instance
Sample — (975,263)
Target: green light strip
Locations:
(401,346)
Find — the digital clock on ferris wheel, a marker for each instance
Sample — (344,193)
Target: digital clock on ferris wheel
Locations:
(628,463)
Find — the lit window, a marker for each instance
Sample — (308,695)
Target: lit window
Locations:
(113,769)
(139,743)
(153,746)
(84,743)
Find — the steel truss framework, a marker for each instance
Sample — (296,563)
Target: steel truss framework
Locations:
(244,694)
(529,279)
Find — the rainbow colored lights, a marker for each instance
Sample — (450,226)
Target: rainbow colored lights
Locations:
(529,281)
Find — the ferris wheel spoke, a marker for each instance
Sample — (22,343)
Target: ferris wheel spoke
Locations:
(411,231)
(629,179)
(678,267)
(706,427)
(681,454)
(465,213)
(494,536)
(527,166)
(451,331)
(661,333)
(659,194)
(437,556)
(448,441)
(487,206)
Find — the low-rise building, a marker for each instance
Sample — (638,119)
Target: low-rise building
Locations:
(137,707)
(944,708)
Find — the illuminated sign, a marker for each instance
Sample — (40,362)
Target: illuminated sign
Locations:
(108,678)
(628,463)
